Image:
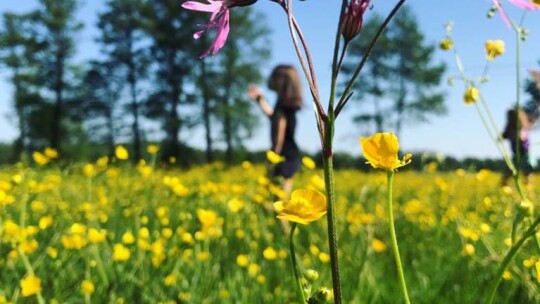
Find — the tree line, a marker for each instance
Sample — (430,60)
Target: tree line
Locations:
(147,74)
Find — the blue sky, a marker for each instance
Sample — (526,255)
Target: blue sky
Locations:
(459,133)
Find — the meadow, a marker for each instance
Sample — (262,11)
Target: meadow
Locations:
(112,232)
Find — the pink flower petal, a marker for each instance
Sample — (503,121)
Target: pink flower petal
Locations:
(211,7)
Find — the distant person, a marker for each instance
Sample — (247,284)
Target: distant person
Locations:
(285,81)
(517,132)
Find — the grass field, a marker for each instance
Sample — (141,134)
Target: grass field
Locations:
(114,233)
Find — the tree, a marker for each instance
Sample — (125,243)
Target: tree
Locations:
(173,55)
(122,39)
(58,28)
(532,87)
(241,59)
(405,77)
(102,88)
(18,49)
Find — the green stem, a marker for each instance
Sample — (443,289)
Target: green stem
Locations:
(390,178)
(508,258)
(331,223)
(295,264)
(30,270)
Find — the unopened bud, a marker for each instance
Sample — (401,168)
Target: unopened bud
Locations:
(322,295)
(311,275)
(353,18)
(526,206)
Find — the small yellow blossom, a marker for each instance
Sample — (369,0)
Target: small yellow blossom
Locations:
(120,253)
(152,149)
(494,48)
(507,275)
(50,153)
(446,44)
(121,153)
(270,253)
(308,162)
(96,236)
(378,245)
(39,158)
(305,206)
(169,280)
(273,157)
(381,151)
(242,260)
(87,287)
(128,238)
(468,249)
(471,95)
(45,222)
(324,257)
(30,285)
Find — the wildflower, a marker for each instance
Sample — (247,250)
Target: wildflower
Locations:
(87,287)
(446,44)
(152,149)
(324,257)
(468,249)
(308,162)
(311,275)
(218,20)
(242,260)
(96,236)
(507,275)
(494,48)
(305,206)
(353,18)
(50,153)
(523,4)
(471,95)
(170,280)
(120,253)
(31,285)
(381,150)
(274,158)
(40,158)
(121,153)
(270,253)
(378,245)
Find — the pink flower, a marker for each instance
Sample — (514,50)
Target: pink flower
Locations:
(353,18)
(523,4)
(218,20)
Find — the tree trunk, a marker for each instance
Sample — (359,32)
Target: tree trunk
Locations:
(56,129)
(206,114)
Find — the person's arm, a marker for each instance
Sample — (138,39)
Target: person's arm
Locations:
(257,95)
(280,134)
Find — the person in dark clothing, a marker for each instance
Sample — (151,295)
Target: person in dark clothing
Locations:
(516,131)
(285,81)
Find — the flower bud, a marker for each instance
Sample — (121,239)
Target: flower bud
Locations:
(311,275)
(353,18)
(321,296)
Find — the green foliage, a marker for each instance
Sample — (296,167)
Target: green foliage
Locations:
(402,81)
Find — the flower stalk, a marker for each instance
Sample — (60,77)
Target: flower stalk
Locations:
(395,247)
(295,264)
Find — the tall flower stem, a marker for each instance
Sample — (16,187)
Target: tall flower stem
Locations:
(395,248)
(328,164)
(295,264)
(509,257)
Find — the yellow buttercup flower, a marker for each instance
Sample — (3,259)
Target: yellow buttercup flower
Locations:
(31,285)
(305,206)
(308,162)
(120,253)
(50,153)
(381,151)
(152,149)
(273,157)
(40,158)
(446,44)
(378,245)
(494,48)
(121,153)
(87,287)
(471,95)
